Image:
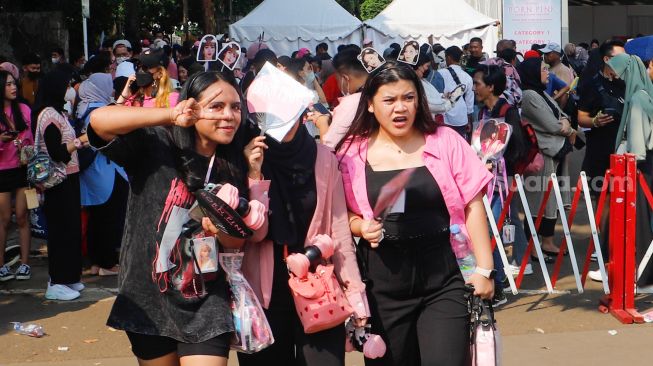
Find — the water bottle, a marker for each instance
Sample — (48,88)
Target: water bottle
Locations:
(464,256)
(32,330)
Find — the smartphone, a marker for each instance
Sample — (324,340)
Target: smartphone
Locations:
(320,108)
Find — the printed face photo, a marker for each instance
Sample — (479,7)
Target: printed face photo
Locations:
(206,255)
(229,55)
(409,53)
(371,59)
(493,137)
(207,49)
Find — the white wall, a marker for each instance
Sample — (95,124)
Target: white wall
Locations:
(603,22)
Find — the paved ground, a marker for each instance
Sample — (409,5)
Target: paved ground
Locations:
(538,329)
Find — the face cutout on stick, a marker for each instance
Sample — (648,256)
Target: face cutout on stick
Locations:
(409,53)
(371,59)
(229,55)
(208,49)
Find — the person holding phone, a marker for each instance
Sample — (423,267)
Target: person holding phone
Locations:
(15,134)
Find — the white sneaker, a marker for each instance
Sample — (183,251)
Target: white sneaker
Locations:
(594,257)
(514,269)
(595,275)
(60,292)
(78,286)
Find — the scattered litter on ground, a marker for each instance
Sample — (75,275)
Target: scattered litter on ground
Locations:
(89,341)
(62,348)
(612,332)
(539,330)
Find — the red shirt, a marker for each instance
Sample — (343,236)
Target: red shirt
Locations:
(332,90)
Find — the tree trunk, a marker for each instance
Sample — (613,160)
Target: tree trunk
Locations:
(132,15)
(209,16)
(184,7)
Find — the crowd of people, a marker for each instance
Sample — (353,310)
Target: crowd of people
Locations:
(142,125)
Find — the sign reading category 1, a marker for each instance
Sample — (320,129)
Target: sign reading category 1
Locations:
(532,21)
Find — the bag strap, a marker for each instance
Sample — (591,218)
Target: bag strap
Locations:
(456,79)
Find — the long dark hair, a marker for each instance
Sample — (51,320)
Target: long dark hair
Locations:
(19,121)
(230,165)
(51,93)
(365,124)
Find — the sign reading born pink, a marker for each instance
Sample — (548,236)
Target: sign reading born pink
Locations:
(532,21)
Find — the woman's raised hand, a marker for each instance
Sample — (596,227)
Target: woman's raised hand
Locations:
(189,111)
(254,153)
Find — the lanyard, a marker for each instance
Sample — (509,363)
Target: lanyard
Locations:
(208,172)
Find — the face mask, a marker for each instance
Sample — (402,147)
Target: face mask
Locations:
(144,78)
(70,95)
(55,60)
(34,74)
(121,59)
(310,77)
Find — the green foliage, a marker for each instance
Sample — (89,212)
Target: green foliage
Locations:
(371,8)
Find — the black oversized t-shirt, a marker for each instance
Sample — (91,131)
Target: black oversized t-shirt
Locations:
(601,141)
(148,302)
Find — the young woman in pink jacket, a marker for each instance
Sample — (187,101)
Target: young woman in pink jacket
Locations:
(306,198)
(415,289)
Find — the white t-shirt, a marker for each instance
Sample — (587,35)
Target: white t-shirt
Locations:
(457,116)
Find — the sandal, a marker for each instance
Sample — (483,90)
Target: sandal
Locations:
(547,259)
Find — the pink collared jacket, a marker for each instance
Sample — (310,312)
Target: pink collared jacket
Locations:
(452,162)
(330,218)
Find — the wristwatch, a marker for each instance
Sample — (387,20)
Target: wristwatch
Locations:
(487,273)
(78,144)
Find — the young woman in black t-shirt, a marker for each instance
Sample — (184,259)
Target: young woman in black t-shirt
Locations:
(167,154)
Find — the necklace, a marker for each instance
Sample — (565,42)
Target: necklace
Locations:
(393,147)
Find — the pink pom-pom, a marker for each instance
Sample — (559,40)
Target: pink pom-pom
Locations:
(325,244)
(229,194)
(374,347)
(256,216)
(298,264)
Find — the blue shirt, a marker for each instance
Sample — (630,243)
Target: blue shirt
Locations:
(96,181)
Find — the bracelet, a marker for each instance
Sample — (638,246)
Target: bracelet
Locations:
(351,219)
(594,121)
(125,97)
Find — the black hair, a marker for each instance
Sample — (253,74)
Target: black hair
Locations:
(365,124)
(230,165)
(294,54)
(323,46)
(19,121)
(284,61)
(317,60)
(477,40)
(31,59)
(340,48)
(595,41)
(263,56)
(58,50)
(508,54)
(437,48)
(136,48)
(296,65)
(493,75)
(98,63)
(108,43)
(606,48)
(584,45)
(347,61)
(51,93)
(454,52)
(425,57)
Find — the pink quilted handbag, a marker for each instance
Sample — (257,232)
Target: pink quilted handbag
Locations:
(319,300)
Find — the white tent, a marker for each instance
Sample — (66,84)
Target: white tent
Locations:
(288,25)
(448,22)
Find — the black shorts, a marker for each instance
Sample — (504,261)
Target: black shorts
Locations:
(12,179)
(149,347)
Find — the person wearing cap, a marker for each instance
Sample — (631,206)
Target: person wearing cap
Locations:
(122,50)
(552,56)
(154,86)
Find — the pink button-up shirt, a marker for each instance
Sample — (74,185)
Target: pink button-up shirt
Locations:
(452,162)
(330,218)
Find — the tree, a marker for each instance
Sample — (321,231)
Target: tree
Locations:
(209,16)
(371,8)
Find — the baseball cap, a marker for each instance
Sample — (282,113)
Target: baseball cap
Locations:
(121,42)
(551,47)
(125,69)
(531,54)
(152,58)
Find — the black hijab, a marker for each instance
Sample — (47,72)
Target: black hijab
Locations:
(293,195)
(530,72)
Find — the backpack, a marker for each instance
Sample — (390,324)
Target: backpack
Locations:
(529,161)
(87,155)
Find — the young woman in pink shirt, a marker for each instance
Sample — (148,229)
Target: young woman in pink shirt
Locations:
(415,289)
(15,132)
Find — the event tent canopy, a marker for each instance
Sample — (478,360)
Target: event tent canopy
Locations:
(287,25)
(449,22)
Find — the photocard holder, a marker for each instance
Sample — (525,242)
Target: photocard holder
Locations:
(229,55)
(206,253)
(371,59)
(409,53)
(207,51)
